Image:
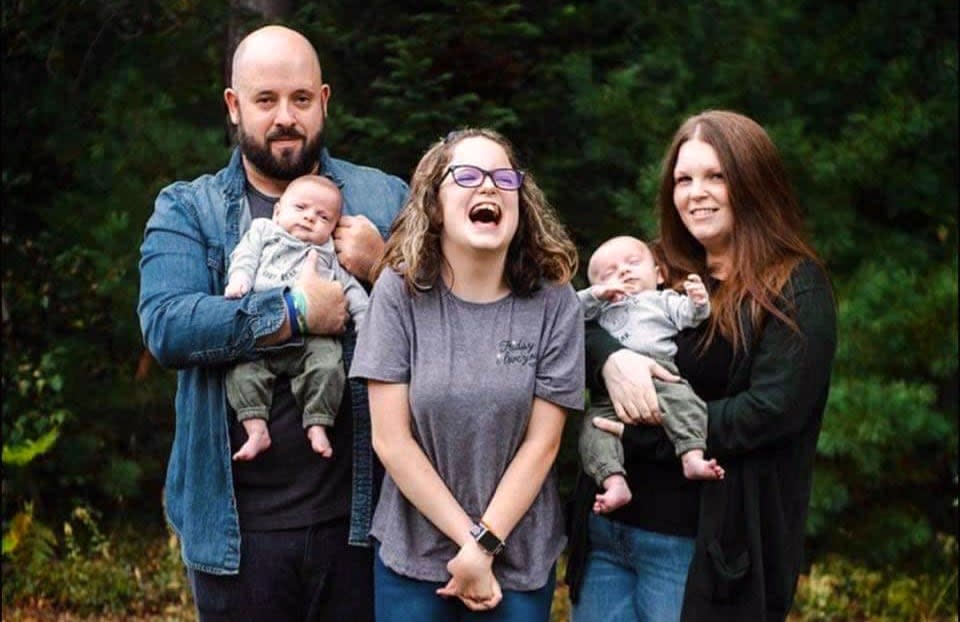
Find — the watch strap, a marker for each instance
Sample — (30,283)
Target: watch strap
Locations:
(487,540)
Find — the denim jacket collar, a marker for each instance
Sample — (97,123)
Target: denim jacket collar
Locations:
(327,168)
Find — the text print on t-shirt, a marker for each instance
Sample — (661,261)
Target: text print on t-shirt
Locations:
(516,352)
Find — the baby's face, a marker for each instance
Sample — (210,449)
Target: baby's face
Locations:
(626,262)
(308,211)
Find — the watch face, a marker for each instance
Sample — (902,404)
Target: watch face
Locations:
(490,542)
(487,540)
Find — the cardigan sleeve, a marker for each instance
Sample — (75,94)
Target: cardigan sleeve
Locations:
(788,376)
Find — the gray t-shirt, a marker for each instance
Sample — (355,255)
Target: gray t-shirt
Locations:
(473,371)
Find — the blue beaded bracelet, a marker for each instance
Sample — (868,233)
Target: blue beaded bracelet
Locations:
(300,305)
(292,314)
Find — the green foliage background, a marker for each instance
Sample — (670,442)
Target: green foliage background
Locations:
(107,101)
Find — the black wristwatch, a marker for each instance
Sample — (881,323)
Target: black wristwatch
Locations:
(487,540)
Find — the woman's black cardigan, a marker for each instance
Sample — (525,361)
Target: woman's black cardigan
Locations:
(749,544)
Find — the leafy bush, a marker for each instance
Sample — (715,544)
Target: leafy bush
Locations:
(28,549)
(90,572)
(33,415)
(838,590)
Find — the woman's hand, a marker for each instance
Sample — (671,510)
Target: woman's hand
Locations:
(629,379)
(472,579)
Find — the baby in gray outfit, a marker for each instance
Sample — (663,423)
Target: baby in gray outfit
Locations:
(623,294)
(270,255)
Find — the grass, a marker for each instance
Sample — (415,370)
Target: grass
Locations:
(138,577)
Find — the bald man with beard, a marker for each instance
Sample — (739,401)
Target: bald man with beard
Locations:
(282,537)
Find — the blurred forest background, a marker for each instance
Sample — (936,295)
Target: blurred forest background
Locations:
(107,101)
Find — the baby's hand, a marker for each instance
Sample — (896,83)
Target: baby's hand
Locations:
(612,291)
(236,288)
(696,290)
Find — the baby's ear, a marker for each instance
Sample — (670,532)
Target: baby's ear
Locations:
(659,275)
(276,208)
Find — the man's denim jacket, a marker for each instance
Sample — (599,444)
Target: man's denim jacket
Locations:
(188,324)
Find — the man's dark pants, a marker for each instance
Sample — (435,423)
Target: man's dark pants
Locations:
(309,574)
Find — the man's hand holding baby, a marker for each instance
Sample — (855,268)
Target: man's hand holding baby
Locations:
(358,244)
(320,301)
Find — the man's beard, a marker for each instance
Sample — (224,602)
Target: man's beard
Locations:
(291,163)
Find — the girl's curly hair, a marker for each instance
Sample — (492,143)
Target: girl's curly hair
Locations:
(540,249)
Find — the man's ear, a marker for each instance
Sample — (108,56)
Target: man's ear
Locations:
(324,97)
(233,104)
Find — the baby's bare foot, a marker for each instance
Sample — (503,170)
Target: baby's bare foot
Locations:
(319,441)
(258,440)
(616,494)
(696,467)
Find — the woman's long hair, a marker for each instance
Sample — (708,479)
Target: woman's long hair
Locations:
(540,249)
(768,240)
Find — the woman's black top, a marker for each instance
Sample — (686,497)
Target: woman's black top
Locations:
(665,501)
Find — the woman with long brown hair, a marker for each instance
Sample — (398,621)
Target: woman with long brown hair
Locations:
(728,549)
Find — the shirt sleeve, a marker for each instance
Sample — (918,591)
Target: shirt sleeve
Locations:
(384,345)
(560,373)
(682,310)
(590,303)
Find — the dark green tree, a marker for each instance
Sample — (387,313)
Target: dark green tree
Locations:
(106,101)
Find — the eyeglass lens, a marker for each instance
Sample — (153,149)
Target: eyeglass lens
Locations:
(470,176)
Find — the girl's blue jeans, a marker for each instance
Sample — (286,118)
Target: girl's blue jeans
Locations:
(400,599)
